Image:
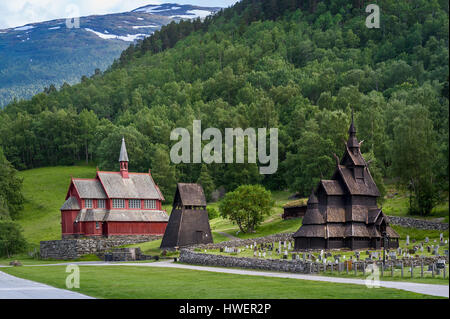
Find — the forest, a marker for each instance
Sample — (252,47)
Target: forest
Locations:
(301,66)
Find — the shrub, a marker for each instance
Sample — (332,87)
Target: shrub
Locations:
(212,213)
(11,238)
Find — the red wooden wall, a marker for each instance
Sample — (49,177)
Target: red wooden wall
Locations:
(136,228)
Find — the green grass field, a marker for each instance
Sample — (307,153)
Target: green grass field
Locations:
(45,190)
(159,283)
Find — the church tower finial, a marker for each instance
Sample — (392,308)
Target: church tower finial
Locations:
(352,142)
(123,160)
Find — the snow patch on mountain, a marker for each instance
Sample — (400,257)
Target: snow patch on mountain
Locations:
(24,28)
(128,37)
(145,26)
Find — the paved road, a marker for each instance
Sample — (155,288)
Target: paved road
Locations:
(12,287)
(427,289)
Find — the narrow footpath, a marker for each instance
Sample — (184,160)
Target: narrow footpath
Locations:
(12,287)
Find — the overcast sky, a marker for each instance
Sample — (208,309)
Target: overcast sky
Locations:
(15,13)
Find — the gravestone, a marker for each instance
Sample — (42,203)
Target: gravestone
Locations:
(427,240)
(441,237)
(436,250)
(304,257)
(428,249)
(407,240)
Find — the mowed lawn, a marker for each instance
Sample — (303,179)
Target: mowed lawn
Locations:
(162,283)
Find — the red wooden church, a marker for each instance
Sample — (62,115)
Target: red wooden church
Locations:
(113,204)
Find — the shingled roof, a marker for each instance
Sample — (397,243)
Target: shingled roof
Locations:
(139,186)
(358,186)
(102,215)
(71,204)
(89,188)
(190,194)
(332,187)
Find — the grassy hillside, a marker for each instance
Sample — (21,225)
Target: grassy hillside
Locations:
(45,190)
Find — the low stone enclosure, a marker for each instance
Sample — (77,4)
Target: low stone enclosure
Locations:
(75,248)
(125,254)
(301,262)
(417,223)
(433,264)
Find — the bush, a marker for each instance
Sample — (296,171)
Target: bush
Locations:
(212,213)
(11,238)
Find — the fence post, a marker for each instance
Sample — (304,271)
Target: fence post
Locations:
(444,271)
(331,268)
(432,270)
(356,269)
(402,269)
(364,268)
(347,267)
(421,268)
(392,269)
(382,268)
(412,270)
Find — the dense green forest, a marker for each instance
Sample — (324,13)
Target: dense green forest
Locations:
(299,65)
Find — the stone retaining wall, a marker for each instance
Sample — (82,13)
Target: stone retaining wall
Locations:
(417,223)
(75,248)
(197,258)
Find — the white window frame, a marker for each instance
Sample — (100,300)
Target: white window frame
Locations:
(88,203)
(103,205)
(150,204)
(118,203)
(134,203)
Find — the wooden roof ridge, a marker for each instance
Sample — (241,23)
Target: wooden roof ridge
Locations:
(190,194)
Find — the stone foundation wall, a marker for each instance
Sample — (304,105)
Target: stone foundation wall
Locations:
(75,248)
(192,257)
(417,223)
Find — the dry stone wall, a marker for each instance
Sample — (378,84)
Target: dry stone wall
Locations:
(417,223)
(197,258)
(75,248)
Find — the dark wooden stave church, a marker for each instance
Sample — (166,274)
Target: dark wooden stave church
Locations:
(343,211)
(188,222)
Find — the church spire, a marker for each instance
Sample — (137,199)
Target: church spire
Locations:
(123,159)
(352,142)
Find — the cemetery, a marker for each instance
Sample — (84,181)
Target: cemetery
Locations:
(427,259)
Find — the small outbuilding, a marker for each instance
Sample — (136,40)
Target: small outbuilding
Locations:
(188,222)
(295,209)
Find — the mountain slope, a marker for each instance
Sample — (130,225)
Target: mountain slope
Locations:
(301,70)
(37,55)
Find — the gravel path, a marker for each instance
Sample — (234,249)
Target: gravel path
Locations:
(12,287)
